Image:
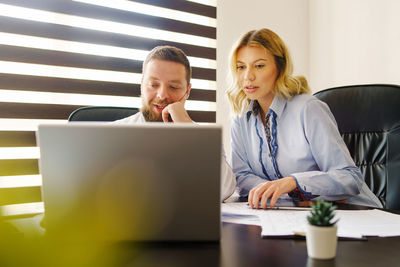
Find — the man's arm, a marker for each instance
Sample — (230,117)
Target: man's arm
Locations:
(177,112)
(228,179)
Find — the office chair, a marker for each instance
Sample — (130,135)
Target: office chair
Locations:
(101,113)
(368,118)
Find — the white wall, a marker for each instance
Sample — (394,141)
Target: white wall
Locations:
(354,42)
(288,18)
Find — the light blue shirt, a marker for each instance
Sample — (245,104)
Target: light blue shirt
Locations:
(308,147)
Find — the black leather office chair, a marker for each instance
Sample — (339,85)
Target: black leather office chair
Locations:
(368,117)
(101,113)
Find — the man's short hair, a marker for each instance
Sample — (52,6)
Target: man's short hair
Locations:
(169,53)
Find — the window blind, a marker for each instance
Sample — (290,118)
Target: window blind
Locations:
(59,55)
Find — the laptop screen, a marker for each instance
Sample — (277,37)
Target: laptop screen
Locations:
(149,181)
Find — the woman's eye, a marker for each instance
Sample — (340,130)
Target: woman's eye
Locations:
(259,66)
(239,67)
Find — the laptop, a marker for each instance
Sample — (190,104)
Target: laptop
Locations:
(140,182)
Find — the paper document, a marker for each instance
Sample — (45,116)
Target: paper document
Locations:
(369,222)
(240,212)
(280,222)
(283,222)
(351,224)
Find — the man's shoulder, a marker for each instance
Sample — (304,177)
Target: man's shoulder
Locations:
(135,118)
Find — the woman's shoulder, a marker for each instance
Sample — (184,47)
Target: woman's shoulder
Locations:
(306,105)
(303,98)
(242,120)
(239,118)
(299,102)
(304,101)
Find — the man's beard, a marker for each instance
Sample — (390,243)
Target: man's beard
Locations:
(149,114)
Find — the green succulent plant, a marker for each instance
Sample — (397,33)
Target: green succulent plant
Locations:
(322,214)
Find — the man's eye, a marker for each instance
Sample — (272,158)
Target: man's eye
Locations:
(154,85)
(174,87)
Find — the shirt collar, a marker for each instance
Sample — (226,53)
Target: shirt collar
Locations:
(252,109)
(278,105)
(140,117)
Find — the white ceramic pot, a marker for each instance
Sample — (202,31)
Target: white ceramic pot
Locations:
(321,241)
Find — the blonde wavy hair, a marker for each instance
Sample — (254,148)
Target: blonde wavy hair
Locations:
(286,85)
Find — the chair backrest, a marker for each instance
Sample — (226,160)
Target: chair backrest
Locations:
(100,113)
(368,118)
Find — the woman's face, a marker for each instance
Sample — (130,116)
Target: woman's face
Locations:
(257,73)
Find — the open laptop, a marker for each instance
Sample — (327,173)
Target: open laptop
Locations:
(144,182)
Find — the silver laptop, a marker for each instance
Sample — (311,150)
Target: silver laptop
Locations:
(145,182)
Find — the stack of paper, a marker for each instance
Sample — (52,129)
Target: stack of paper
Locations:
(282,222)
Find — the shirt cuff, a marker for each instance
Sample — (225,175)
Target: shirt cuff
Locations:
(299,194)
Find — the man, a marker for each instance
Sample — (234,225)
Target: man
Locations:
(165,86)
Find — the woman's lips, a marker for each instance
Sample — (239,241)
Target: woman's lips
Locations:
(251,88)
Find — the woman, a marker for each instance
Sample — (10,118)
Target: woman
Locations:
(285,142)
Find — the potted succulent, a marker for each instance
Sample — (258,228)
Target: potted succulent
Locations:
(321,232)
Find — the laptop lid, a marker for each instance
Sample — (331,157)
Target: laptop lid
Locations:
(150,182)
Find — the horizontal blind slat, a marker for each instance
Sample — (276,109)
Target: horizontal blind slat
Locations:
(36,111)
(203,95)
(67,59)
(40,29)
(203,116)
(20,195)
(63,85)
(10,167)
(17,138)
(183,5)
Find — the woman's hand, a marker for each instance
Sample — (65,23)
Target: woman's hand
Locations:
(270,190)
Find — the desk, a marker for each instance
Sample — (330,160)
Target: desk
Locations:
(241,245)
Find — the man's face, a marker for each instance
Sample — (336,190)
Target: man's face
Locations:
(163,83)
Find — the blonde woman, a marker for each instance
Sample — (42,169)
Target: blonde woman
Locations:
(285,142)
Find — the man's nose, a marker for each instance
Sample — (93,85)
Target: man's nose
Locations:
(163,92)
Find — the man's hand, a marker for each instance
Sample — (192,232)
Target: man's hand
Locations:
(177,112)
(270,190)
